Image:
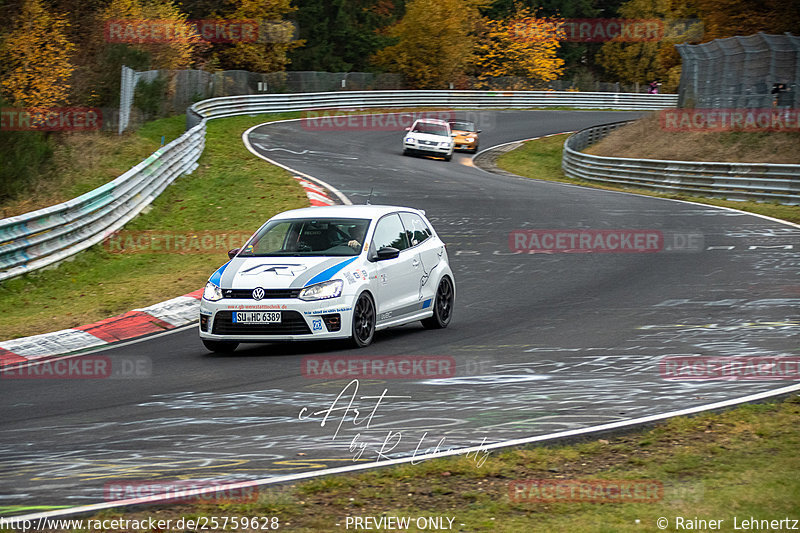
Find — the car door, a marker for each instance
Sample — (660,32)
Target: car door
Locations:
(428,255)
(398,278)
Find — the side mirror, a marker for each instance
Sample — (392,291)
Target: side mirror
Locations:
(479,131)
(387,252)
(232,253)
(407,128)
(454,135)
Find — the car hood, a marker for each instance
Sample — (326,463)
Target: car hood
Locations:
(428,137)
(278,272)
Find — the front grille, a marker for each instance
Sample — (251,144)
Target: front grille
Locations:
(429,143)
(292,323)
(247,294)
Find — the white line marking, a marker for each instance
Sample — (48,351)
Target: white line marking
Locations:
(403,460)
(345,200)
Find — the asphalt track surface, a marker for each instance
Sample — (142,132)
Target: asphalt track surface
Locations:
(543,342)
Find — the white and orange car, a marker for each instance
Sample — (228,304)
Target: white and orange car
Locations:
(465,135)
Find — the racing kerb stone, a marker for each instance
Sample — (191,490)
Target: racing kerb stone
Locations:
(163,316)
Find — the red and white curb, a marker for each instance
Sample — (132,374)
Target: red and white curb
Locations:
(156,318)
(316,194)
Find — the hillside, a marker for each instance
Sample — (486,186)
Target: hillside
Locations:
(645,139)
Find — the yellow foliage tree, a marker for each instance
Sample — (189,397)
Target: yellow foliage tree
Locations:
(523,48)
(276,37)
(163,53)
(37,57)
(435,42)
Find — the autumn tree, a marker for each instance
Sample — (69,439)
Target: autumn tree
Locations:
(643,61)
(38,58)
(276,37)
(523,46)
(435,41)
(104,53)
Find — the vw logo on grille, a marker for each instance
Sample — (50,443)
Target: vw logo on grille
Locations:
(258,293)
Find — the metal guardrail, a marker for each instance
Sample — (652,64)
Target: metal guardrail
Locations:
(47,236)
(273,103)
(43,237)
(736,181)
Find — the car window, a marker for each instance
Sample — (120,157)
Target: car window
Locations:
(463,126)
(430,128)
(390,232)
(416,229)
(308,237)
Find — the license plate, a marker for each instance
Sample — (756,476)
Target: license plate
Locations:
(256,317)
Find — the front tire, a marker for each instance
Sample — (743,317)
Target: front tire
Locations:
(220,346)
(364,317)
(448,157)
(442,306)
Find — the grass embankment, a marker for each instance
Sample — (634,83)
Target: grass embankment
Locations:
(742,463)
(646,139)
(541,159)
(231,191)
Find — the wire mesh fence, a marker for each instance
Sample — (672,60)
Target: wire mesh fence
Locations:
(158,93)
(756,71)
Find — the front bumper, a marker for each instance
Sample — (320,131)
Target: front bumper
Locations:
(426,149)
(300,320)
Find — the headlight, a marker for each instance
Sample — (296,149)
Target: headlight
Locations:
(322,291)
(410,140)
(445,143)
(212,293)
(469,139)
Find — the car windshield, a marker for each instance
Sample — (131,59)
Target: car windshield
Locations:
(463,126)
(308,236)
(430,128)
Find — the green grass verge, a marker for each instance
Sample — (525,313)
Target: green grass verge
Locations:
(541,159)
(742,463)
(231,191)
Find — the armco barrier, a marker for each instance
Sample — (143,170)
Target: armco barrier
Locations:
(47,236)
(736,181)
(274,103)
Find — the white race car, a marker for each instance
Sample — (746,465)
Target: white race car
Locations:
(428,136)
(329,273)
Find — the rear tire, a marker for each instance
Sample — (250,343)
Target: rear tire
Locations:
(220,346)
(364,317)
(442,306)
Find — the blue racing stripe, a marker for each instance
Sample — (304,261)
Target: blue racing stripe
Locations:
(328,273)
(216,277)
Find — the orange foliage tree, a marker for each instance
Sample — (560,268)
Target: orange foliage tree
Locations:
(523,47)
(38,58)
